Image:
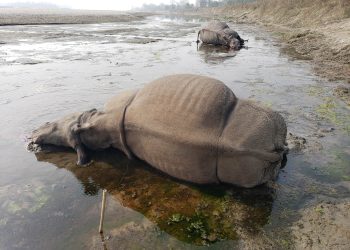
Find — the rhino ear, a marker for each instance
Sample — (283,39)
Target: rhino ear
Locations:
(77,128)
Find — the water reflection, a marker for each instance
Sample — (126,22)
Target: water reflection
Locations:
(194,214)
(215,54)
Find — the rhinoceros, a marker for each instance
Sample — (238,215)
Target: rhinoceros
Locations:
(191,127)
(219,33)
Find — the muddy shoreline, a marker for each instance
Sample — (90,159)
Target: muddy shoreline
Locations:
(10,16)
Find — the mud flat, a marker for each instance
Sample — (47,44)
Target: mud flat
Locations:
(17,16)
(318,31)
(324,226)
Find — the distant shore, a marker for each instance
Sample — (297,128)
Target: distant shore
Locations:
(15,16)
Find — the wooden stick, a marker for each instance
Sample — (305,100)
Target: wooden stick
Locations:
(100,230)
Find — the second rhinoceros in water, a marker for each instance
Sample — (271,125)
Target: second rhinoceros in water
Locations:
(219,33)
(191,127)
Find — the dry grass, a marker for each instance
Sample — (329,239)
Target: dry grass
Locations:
(292,13)
(300,13)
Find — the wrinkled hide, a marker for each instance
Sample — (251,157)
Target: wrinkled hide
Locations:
(191,127)
(219,33)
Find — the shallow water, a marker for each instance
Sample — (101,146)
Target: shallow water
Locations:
(49,203)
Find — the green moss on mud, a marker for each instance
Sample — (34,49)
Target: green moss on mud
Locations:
(338,168)
(330,111)
(34,199)
(201,228)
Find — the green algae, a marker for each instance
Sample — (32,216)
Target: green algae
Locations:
(13,207)
(191,229)
(329,110)
(319,210)
(33,199)
(3,221)
(176,218)
(267,104)
(286,243)
(338,168)
(315,91)
(157,55)
(39,200)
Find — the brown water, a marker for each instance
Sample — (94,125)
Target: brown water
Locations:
(46,202)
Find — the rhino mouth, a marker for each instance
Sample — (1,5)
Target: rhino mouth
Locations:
(36,147)
(83,156)
(33,147)
(35,143)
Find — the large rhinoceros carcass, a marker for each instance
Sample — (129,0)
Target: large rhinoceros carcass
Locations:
(191,127)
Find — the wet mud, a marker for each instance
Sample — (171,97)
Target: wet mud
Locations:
(47,71)
(18,16)
(324,226)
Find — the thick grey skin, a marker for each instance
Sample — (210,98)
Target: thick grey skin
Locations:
(93,129)
(219,33)
(190,127)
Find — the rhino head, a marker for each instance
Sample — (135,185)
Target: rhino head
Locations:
(64,132)
(234,44)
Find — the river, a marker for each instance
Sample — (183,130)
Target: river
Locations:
(47,202)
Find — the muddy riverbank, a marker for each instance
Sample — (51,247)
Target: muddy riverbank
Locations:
(9,16)
(325,225)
